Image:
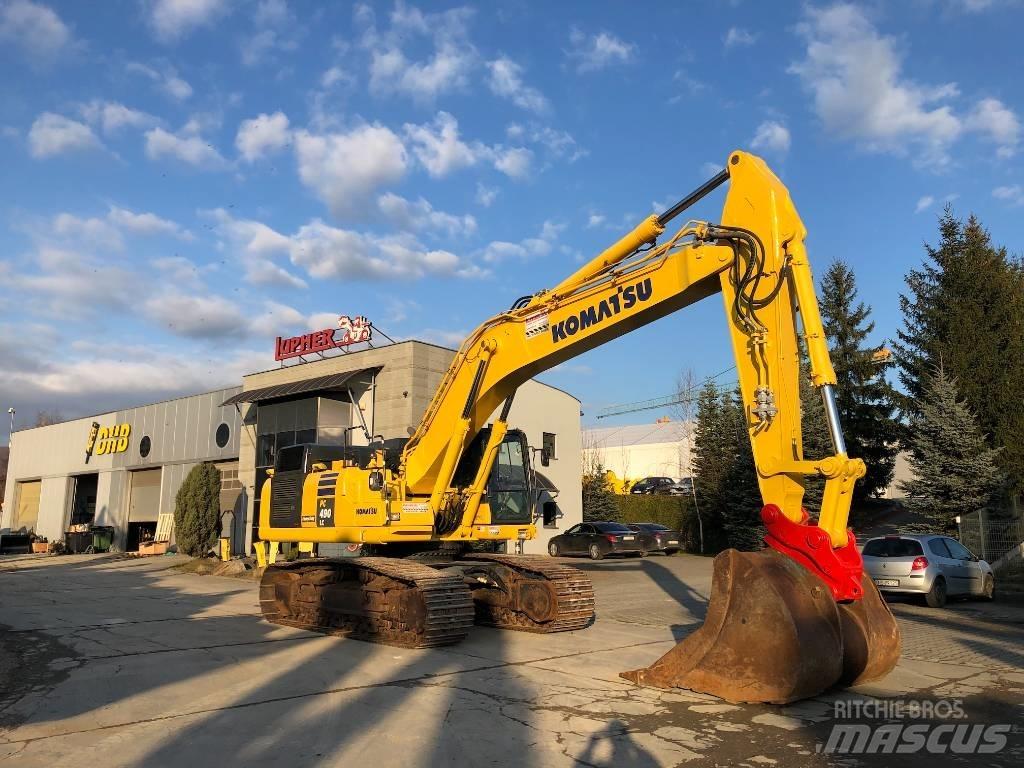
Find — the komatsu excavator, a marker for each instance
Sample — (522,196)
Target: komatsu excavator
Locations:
(782,624)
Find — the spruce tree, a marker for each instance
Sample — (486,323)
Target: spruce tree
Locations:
(865,399)
(599,503)
(817,442)
(964,310)
(712,461)
(955,472)
(741,495)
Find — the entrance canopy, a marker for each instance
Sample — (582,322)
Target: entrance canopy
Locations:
(336,382)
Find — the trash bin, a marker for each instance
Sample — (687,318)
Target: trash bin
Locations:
(78,541)
(102,538)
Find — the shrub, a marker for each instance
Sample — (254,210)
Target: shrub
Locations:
(197,510)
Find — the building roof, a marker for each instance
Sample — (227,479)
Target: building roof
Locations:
(636,434)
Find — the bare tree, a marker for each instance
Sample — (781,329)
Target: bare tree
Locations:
(686,411)
(46,418)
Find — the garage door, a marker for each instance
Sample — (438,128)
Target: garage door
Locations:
(145,496)
(27,511)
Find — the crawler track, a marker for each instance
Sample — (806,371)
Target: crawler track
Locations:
(377,599)
(574,595)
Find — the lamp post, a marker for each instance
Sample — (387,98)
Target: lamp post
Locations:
(10,412)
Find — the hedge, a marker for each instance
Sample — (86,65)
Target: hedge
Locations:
(675,512)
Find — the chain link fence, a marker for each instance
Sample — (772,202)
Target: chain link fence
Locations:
(992,536)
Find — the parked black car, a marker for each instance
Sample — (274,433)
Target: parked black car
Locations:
(655,537)
(663,486)
(597,540)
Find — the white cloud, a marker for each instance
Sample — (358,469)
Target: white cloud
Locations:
(76,284)
(197,317)
(515,162)
(924,203)
(590,53)
(256,244)
(557,144)
(52,134)
(92,231)
(327,252)
(35,28)
(392,70)
(595,220)
(996,121)
(187,146)
(276,30)
(1012,194)
(485,195)
(531,247)
(859,89)
(112,116)
(506,80)
(771,136)
(441,337)
(737,36)
(176,87)
(173,19)
(344,169)
(146,223)
(334,76)
(262,135)
(330,253)
(167,80)
(707,170)
(438,147)
(420,216)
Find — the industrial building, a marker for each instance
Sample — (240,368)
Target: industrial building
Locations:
(636,451)
(123,468)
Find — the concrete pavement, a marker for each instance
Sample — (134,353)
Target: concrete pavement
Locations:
(120,662)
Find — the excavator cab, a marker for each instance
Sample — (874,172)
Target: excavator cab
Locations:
(509,492)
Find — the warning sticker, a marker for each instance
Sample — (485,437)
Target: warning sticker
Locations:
(415,506)
(535,324)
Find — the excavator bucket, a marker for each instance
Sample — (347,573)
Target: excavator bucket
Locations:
(774,634)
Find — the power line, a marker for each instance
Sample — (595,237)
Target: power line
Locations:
(679,398)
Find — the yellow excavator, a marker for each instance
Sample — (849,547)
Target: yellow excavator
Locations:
(782,624)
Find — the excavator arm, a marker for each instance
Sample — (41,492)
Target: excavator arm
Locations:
(757,260)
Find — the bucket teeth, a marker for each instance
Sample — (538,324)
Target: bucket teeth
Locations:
(773,634)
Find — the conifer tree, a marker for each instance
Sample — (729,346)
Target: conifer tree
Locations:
(817,443)
(964,310)
(955,472)
(712,461)
(741,496)
(197,510)
(865,399)
(599,502)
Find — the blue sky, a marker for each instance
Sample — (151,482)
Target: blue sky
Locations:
(185,179)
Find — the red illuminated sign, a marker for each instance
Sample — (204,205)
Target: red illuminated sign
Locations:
(350,330)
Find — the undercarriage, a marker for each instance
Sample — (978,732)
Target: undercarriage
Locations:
(413,604)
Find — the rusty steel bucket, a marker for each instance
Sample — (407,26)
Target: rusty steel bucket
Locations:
(774,634)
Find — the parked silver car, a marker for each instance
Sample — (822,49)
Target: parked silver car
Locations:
(936,567)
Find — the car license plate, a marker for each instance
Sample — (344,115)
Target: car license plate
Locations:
(887,582)
(673,541)
(628,538)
